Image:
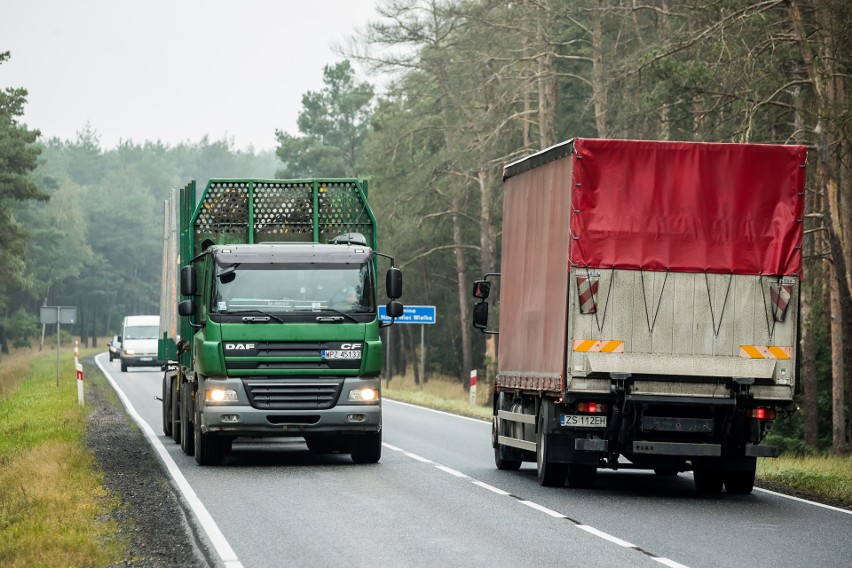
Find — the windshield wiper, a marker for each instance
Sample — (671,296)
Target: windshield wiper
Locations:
(336,319)
(264,316)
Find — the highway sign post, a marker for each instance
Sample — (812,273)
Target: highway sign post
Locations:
(421,315)
(58,315)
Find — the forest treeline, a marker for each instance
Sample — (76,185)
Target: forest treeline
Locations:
(468,86)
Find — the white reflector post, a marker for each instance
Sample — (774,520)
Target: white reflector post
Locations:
(79,382)
(473,388)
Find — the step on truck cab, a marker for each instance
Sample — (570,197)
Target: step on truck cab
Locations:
(648,308)
(269,316)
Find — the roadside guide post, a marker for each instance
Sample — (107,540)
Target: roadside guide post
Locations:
(472,400)
(421,315)
(79,367)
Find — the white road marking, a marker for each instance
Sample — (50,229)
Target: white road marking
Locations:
(607,536)
(451,471)
(490,487)
(205,520)
(542,509)
(839,510)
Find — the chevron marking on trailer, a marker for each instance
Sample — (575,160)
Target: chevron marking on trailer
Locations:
(780,295)
(587,288)
(592,346)
(765,352)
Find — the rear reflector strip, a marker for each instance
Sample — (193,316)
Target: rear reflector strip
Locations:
(765,352)
(592,346)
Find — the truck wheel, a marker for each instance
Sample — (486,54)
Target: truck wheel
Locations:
(502,454)
(367,448)
(582,476)
(740,481)
(123,366)
(209,447)
(708,481)
(174,409)
(187,435)
(167,411)
(550,474)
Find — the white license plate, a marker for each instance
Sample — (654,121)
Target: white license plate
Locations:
(340,354)
(583,421)
(146,358)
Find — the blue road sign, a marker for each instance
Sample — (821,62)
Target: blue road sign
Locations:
(411,314)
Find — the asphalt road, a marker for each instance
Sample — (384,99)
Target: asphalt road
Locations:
(436,499)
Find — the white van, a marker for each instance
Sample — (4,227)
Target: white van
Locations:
(138,339)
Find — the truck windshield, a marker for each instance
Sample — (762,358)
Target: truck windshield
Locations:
(282,288)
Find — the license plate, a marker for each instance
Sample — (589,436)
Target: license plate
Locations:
(583,421)
(340,354)
(146,358)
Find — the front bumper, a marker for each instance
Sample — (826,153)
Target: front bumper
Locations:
(250,421)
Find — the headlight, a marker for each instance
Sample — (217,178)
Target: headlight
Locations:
(129,352)
(364,395)
(220,395)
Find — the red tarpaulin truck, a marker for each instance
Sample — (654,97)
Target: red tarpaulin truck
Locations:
(648,308)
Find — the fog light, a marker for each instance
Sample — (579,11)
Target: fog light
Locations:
(356,417)
(230,418)
(220,395)
(365,394)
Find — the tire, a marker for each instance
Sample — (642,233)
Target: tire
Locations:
(123,366)
(740,481)
(708,481)
(503,458)
(174,409)
(550,474)
(187,434)
(582,476)
(367,448)
(167,411)
(209,447)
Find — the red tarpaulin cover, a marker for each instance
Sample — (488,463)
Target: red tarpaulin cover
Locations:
(688,207)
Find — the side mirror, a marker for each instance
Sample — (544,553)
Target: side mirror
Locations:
(480,315)
(393,284)
(119,340)
(481,289)
(186,308)
(394,309)
(187,281)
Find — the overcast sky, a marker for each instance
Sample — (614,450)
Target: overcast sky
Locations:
(172,70)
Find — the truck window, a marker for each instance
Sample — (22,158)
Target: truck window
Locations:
(294,288)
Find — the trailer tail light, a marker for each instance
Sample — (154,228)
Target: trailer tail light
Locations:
(761,413)
(591,407)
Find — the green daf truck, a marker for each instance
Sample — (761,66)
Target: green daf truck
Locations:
(269,316)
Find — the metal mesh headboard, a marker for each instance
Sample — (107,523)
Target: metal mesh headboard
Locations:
(281,211)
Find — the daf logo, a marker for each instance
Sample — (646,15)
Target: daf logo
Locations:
(350,346)
(234,346)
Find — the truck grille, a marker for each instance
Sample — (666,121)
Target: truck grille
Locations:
(259,355)
(287,394)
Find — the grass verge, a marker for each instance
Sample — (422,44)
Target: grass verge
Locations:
(822,478)
(52,502)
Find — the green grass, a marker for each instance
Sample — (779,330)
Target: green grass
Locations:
(826,476)
(439,393)
(53,504)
